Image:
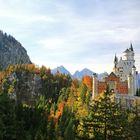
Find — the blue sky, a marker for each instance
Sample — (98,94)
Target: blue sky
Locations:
(73,33)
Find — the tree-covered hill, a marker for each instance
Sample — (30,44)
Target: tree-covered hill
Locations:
(26,82)
(36,105)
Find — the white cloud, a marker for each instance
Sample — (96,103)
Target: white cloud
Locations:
(64,34)
(52,44)
(26,18)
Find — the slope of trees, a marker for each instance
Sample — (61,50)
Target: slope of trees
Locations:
(63,111)
(27,82)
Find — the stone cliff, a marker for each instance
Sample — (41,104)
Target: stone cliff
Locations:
(11,51)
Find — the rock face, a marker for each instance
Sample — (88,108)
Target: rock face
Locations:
(11,51)
(23,86)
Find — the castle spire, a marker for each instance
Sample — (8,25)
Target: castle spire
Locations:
(115,59)
(131,47)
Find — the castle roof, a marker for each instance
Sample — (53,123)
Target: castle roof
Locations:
(130,49)
(113,74)
(126,51)
(94,74)
(133,66)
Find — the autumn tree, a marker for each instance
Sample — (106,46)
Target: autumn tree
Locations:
(87,80)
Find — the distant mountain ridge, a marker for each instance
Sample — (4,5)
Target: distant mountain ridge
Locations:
(61,69)
(11,51)
(84,72)
(77,74)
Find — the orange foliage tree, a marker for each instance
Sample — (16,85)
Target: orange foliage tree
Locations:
(87,80)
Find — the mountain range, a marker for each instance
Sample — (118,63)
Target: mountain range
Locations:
(84,72)
(77,74)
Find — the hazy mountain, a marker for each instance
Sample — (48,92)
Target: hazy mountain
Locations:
(60,69)
(11,51)
(84,72)
(102,75)
(78,74)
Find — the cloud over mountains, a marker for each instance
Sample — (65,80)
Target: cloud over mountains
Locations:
(79,33)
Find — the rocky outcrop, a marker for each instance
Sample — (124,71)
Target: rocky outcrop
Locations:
(23,86)
(11,51)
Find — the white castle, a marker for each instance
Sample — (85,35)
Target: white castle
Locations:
(124,78)
(126,70)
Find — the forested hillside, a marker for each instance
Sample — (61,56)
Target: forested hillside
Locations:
(36,105)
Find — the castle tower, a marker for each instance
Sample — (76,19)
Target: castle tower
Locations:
(115,63)
(95,86)
(134,80)
(129,54)
(137,79)
(123,66)
(130,84)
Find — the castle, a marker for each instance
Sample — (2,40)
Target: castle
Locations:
(123,79)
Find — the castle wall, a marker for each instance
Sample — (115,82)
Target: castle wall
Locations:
(114,83)
(122,88)
(127,101)
(112,78)
(102,86)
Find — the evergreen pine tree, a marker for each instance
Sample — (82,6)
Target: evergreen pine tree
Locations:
(83,91)
(7,118)
(134,124)
(69,131)
(105,121)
